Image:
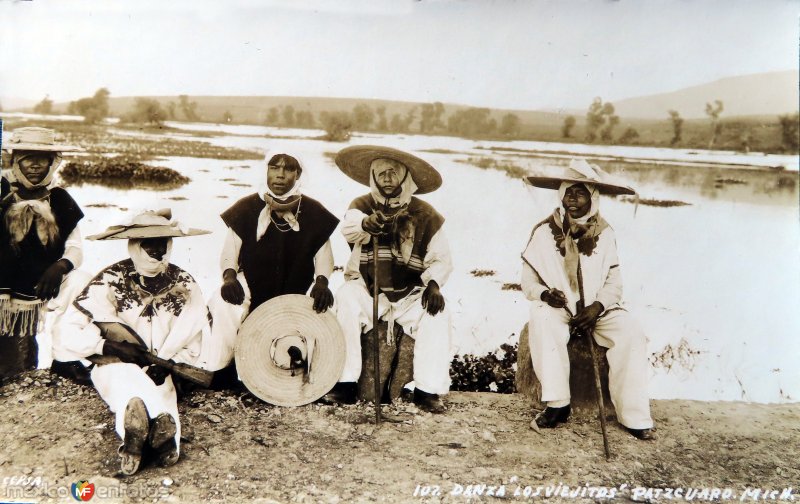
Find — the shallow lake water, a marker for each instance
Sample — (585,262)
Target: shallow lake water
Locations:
(715,283)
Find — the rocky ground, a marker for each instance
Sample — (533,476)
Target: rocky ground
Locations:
(236,449)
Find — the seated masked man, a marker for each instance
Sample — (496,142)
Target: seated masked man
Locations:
(277,243)
(571,275)
(141,305)
(40,247)
(413,263)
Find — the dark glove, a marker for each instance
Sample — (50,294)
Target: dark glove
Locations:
(50,282)
(323,297)
(232,291)
(584,321)
(158,374)
(554,298)
(126,352)
(432,299)
(374,223)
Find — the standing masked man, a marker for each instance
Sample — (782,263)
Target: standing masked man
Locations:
(571,275)
(413,263)
(40,247)
(278,242)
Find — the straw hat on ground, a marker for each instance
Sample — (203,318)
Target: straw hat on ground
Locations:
(581,172)
(31,138)
(355,162)
(287,354)
(149,224)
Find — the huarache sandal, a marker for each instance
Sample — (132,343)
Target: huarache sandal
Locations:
(136,427)
(551,417)
(162,439)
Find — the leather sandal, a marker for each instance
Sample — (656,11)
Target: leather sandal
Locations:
(428,402)
(136,428)
(341,393)
(643,434)
(162,439)
(551,417)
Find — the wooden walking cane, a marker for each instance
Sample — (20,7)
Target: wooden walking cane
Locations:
(376,340)
(598,387)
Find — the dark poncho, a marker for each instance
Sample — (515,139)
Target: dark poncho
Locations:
(397,279)
(280,262)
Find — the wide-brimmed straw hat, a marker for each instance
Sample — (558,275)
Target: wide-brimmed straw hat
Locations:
(355,162)
(265,343)
(581,172)
(32,138)
(149,224)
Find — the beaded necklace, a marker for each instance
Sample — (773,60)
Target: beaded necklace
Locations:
(286,226)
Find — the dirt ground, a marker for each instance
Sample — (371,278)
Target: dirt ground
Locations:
(239,449)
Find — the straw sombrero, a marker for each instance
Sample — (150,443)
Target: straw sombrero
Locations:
(33,138)
(148,224)
(266,342)
(581,172)
(355,162)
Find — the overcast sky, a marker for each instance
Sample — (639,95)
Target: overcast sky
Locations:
(505,54)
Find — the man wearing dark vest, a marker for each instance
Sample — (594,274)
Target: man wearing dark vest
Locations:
(277,243)
(40,247)
(413,263)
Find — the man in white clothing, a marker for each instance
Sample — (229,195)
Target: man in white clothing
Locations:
(571,275)
(413,263)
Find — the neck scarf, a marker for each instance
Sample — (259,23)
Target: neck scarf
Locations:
(285,206)
(577,235)
(25,214)
(403,198)
(143,263)
(402,225)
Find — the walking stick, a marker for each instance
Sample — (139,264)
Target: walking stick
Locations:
(598,387)
(376,361)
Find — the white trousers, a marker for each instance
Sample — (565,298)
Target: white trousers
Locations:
(118,383)
(72,285)
(432,334)
(227,319)
(548,335)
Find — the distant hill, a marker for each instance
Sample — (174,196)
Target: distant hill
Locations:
(771,93)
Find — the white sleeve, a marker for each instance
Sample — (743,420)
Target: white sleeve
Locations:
(532,285)
(73,248)
(229,259)
(437,261)
(611,291)
(351,227)
(323,261)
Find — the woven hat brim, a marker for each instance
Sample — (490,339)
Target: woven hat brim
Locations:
(128,233)
(281,316)
(10,147)
(355,162)
(603,187)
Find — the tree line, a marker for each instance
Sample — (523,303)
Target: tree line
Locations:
(600,124)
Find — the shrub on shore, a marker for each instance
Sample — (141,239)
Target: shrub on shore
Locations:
(121,171)
(493,372)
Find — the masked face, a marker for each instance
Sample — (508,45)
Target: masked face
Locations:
(35,165)
(281,178)
(155,247)
(388,175)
